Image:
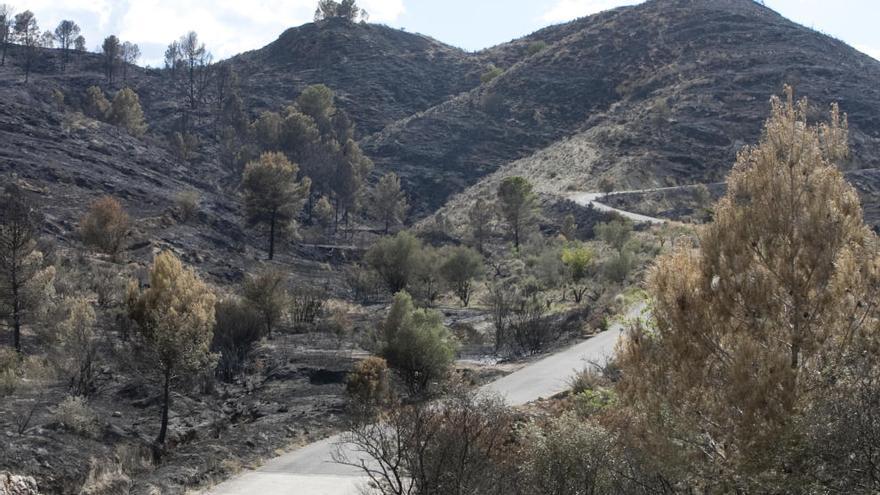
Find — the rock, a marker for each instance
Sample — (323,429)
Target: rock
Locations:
(11,484)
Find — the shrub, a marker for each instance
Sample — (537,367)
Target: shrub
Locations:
(367,384)
(105,226)
(491,73)
(126,112)
(9,361)
(615,233)
(536,47)
(530,331)
(617,267)
(461,266)
(266,294)
(237,328)
(416,343)
(364,282)
(96,104)
(394,258)
(77,347)
(75,414)
(183,145)
(187,204)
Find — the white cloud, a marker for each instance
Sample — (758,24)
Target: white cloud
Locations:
(871,51)
(227,27)
(566,10)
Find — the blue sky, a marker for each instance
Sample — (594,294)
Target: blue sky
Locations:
(232,26)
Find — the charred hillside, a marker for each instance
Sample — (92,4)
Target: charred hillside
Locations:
(666,93)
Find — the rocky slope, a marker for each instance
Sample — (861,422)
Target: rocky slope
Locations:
(599,84)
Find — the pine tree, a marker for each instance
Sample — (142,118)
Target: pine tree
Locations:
(126,112)
(389,202)
(517,205)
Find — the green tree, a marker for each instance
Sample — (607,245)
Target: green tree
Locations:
(267,295)
(416,344)
(393,258)
(388,204)
(126,112)
(517,205)
(578,260)
(317,101)
(345,9)
(749,324)
(77,346)
(20,262)
(267,129)
(27,33)
(175,317)
(273,195)
(460,268)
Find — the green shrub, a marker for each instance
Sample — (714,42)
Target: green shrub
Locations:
(536,47)
(75,414)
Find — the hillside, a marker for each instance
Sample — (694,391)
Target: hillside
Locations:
(597,87)
(380,74)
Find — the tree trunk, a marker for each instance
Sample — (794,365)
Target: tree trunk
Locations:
(272,235)
(166,404)
(16,309)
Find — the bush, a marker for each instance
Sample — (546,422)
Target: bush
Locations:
(615,233)
(617,267)
(75,414)
(394,259)
(529,330)
(96,105)
(491,73)
(183,145)
(416,343)
(461,266)
(126,112)
(364,282)
(105,226)
(187,204)
(536,47)
(9,362)
(367,384)
(236,330)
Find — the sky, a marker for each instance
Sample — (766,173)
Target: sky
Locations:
(232,26)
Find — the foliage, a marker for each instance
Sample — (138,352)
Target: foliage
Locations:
(77,349)
(273,195)
(491,73)
(388,204)
(416,344)
(187,204)
(426,282)
(105,226)
(364,282)
(578,260)
(367,384)
(75,414)
(479,223)
(536,47)
(394,259)
(615,233)
(266,294)
(125,112)
(460,267)
(175,317)
(237,328)
(517,205)
(96,104)
(751,326)
(344,9)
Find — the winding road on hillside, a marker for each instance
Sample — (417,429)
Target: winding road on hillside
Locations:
(311,470)
(588,199)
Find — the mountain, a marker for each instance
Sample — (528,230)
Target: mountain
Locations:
(380,74)
(590,101)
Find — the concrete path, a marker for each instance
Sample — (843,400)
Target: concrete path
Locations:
(311,470)
(586,199)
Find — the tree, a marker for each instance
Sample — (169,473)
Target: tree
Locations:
(615,233)
(96,104)
(517,204)
(267,129)
(416,344)
(350,178)
(748,326)
(479,220)
(393,258)
(175,318)
(77,349)
(126,112)
(367,385)
(111,49)
(273,196)
(105,226)
(316,101)
(238,327)
(266,294)
(389,202)
(19,260)
(129,53)
(66,33)
(79,44)
(425,281)
(606,185)
(577,261)
(27,33)
(173,59)
(196,59)
(7,28)
(346,9)
(460,268)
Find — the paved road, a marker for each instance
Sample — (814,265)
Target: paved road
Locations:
(311,470)
(587,199)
